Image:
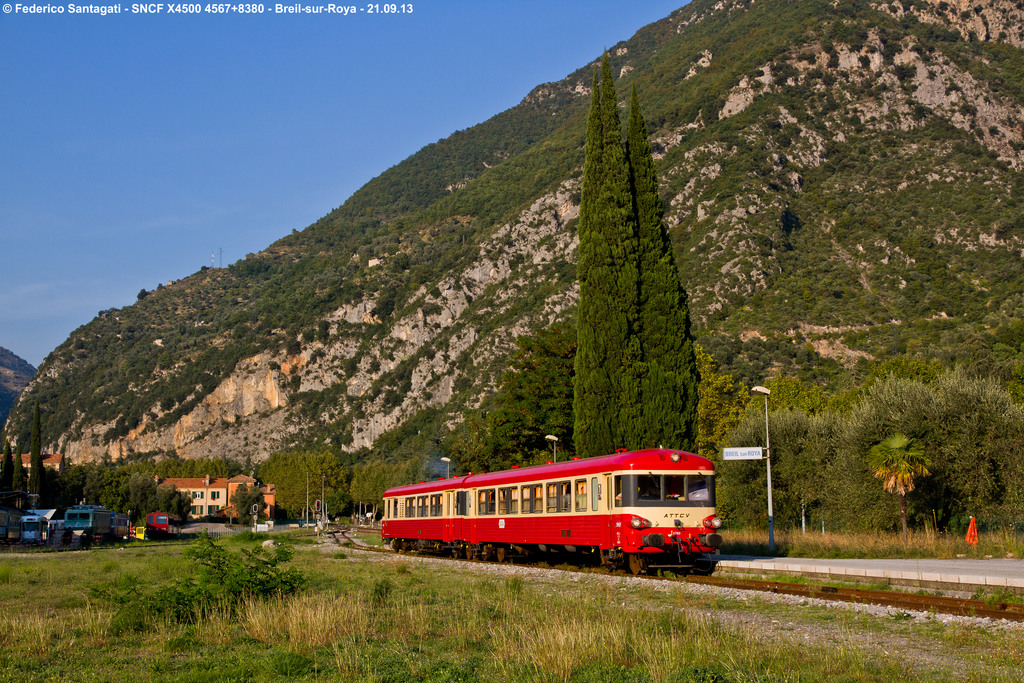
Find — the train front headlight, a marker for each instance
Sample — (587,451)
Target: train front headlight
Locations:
(639,522)
(713,522)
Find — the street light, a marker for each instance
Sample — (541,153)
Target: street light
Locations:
(449,461)
(768,462)
(554,445)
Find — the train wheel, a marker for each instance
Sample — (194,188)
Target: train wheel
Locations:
(499,554)
(635,563)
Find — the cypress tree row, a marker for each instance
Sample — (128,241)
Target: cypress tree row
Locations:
(607,387)
(671,380)
(636,370)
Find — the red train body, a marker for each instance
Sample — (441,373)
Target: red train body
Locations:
(161,525)
(647,509)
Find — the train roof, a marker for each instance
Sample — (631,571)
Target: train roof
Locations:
(641,461)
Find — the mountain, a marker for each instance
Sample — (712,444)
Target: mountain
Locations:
(15,374)
(842,181)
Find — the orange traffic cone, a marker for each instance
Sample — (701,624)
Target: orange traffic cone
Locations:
(972,533)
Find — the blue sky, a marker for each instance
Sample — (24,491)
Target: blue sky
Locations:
(133,146)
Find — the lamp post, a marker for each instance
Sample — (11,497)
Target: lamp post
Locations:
(554,445)
(768,462)
(448,461)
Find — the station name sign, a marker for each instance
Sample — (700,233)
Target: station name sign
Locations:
(746,453)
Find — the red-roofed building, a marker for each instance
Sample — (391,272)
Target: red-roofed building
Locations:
(55,461)
(211,496)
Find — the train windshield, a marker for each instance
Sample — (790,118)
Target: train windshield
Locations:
(650,490)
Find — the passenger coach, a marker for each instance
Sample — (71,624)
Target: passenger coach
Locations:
(649,509)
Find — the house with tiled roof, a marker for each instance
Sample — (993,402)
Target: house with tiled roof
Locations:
(210,496)
(55,461)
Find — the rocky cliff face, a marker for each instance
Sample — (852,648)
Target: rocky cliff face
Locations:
(254,410)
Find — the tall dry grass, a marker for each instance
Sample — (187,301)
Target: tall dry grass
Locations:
(920,544)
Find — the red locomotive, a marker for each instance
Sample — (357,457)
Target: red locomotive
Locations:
(650,509)
(162,525)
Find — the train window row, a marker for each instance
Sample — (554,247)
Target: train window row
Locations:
(571,495)
(660,489)
(553,497)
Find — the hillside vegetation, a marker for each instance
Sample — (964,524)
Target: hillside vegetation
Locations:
(843,185)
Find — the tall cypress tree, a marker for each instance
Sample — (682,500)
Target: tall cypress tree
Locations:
(17,478)
(607,387)
(36,475)
(671,379)
(7,468)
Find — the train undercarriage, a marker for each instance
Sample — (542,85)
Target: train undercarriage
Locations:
(679,561)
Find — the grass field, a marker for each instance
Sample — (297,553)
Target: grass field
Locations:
(368,617)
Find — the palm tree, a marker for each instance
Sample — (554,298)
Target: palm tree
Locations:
(896,461)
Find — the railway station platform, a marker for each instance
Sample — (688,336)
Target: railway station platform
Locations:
(961,574)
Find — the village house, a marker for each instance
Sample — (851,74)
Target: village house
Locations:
(211,497)
(55,461)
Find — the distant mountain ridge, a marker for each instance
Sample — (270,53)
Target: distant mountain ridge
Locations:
(842,181)
(15,374)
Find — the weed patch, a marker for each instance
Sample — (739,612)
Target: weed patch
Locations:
(223,581)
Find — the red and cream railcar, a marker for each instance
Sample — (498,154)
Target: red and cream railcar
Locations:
(647,509)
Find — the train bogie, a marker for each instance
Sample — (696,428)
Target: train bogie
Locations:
(640,510)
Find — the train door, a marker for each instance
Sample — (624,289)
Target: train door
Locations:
(448,513)
(459,520)
(469,525)
(606,508)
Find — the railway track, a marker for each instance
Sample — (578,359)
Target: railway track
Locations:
(905,601)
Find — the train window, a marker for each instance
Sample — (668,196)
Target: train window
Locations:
(538,498)
(648,487)
(485,500)
(435,505)
(560,496)
(508,501)
(527,500)
(698,488)
(618,491)
(593,494)
(675,487)
(421,507)
(581,495)
(410,507)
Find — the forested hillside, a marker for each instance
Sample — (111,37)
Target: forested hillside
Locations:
(843,185)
